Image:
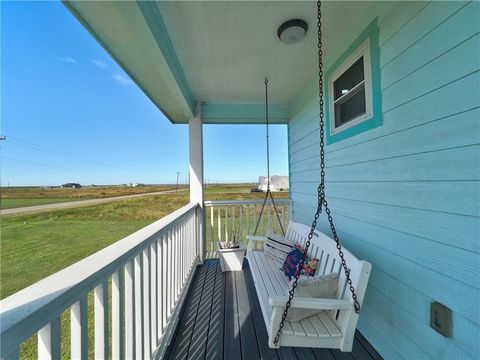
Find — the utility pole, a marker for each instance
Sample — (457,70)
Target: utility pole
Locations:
(178,174)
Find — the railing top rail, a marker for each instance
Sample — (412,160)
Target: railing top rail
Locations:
(31,308)
(244,202)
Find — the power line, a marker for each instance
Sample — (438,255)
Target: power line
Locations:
(33,146)
(52,166)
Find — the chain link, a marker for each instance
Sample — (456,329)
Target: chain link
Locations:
(322,202)
(266,130)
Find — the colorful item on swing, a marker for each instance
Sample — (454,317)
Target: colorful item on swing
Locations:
(293,259)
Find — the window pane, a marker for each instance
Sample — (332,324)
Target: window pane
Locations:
(350,108)
(349,79)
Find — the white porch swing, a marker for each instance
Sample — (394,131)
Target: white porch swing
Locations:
(334,323)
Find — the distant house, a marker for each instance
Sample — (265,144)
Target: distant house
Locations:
(72,185)
(277,183)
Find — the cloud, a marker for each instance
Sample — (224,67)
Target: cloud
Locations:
(121,79)
(67,59)
(99,63)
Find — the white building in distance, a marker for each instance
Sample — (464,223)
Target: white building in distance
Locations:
(277,183)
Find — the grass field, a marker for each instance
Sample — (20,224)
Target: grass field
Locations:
(34,246)
(15,197)
(55,239)
(18,203)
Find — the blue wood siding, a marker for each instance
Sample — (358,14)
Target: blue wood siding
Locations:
(406,195)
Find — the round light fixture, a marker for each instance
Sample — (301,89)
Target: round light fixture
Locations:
(292,31)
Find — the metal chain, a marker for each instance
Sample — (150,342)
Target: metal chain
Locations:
(269,192)
(266,130)
(320,196)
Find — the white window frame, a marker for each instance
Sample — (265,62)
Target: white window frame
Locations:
(362,50)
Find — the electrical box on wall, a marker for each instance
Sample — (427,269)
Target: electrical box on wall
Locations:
(441,319)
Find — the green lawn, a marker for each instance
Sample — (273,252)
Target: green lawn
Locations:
(37,245)
(17,203)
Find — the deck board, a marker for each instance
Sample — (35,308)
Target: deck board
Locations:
(222,319)
(232,345)
(215,330)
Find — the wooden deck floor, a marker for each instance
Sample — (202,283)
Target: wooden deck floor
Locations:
(221,319)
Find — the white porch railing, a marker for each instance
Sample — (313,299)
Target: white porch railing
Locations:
(138,286)
(226,219)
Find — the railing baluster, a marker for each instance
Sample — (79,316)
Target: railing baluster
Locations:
(182,252)
(234,225)
(212,233)
(129,310)
(226,223)
(276,223)
(101,320)
(240,228)
(117,314)
(219,223)
(175,265)
(269,222)
(160,283)
(137,272)
(248,219)
(254,217)
(179,261)
(79,329)
(153,295)
(283,216)
(49,340)
(262,230)
(170,272)
(146,302)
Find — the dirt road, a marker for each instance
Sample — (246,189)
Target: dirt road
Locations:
(80,203)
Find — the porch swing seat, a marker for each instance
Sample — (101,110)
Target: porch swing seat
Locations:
(334,325)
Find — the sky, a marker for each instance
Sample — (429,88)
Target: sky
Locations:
(70,114)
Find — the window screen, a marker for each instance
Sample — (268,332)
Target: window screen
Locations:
(349,94)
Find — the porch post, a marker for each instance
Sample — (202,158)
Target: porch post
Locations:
(195,130)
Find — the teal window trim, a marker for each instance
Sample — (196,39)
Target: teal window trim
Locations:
(376,120)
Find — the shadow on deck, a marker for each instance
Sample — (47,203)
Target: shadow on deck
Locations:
(222,319)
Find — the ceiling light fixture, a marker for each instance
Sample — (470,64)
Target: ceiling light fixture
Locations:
(292,31)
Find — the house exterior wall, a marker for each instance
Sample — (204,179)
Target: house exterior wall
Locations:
(405,195)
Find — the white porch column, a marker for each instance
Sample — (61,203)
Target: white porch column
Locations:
(195,129)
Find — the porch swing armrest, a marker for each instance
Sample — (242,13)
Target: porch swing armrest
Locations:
(311,303)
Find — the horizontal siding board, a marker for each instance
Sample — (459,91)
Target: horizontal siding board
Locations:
(465,126)
(451,261)
(418,27)
(453,230)
(452,197)
(459,96)
(459,62)
(464,331)
(419,333)
(457,164)
(454,164)
(458,296)
(398,18)
(308,125)
(398,339)
(429,48)
(300,147)
(379,341)
(427,166)
(311,162)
